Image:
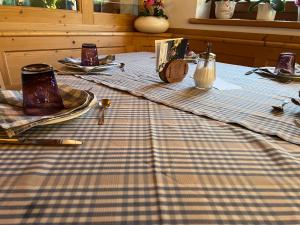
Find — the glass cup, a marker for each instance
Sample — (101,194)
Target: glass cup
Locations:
(40,92)
(286,63)
(89,55)
(205,73)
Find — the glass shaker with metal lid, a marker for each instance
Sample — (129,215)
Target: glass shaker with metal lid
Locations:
(205,73)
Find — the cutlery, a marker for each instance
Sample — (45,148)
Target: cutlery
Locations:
(25,141)
(82,73)
(208,50)
(279,108)
(264,70)
(122,66)
(251,71)
(96,70)
(296,101)
(104,104)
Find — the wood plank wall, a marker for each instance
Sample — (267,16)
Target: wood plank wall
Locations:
(21,48)
(249,49)
(34,35)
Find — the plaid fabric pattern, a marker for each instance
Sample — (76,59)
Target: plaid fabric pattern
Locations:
(250,107)
(14,121)
(149,164)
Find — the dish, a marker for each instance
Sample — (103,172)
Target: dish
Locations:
(267,72)
(294,77)
(70,116)
(89,68)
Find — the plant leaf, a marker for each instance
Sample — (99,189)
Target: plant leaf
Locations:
(255,4)
(278,5)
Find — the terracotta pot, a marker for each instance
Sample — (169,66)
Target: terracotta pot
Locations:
(265,12)
(203,9)
(151,24)
(224,9)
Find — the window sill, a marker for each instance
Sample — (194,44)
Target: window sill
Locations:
(247,23)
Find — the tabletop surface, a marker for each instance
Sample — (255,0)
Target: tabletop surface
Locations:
(149,164)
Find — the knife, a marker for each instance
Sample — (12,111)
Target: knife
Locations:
(23,141)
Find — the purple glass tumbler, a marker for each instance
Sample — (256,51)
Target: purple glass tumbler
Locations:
(286,63)
(89,55)
(40,92)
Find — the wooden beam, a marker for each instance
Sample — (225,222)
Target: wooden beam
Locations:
(245,22)
(87,9)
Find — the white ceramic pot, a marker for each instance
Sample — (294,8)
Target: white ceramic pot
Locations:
(203,9)
(265,12)
(151,24)
(224,9)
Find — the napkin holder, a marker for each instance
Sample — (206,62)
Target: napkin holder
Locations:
(174,71)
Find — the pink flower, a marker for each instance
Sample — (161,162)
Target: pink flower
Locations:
(150,2)
(297,3)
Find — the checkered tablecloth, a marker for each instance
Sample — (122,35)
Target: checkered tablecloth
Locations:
(150,164)
(250,106)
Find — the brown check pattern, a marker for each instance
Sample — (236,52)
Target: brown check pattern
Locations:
(149,164)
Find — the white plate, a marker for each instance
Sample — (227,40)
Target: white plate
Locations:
(72,115)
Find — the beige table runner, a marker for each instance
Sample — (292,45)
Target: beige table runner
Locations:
(249,106)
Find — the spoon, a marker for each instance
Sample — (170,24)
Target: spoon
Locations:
(103,104)
(208,50)
(279,108)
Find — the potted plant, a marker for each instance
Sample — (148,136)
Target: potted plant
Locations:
(203,9)
(153,18)
(267,9)
(224,9)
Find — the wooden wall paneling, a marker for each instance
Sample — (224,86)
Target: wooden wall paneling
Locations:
(41,28)
(113,50)
(214,33)
(233,59)
(223,39)
(25,47)
(247,23)
(85,15)
(39,15)
(242,48)
(283,45)
(4,76)
(261,59)
(5,79)
(1,80)
(273,53)
(61,42)
(87,9)
(49,49)
(114,22)
(241,54)
(146,42)
(16,60)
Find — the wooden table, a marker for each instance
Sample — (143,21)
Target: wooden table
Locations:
(149,164)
